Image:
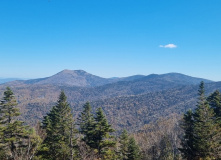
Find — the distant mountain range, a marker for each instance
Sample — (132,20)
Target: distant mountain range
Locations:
(81,78)
(129,102)
(76,78)
(5,80)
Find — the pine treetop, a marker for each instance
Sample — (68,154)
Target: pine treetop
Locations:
(133,150)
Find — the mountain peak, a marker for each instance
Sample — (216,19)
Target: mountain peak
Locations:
(82,78)
(71,78)
(178,78)
(72,71)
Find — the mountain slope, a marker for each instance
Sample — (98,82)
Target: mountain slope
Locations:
(133,112)
(130,112)
(177,78)
(129,103)
(147,84)
(78,78)
(71,78)
(81,78)
(5,80)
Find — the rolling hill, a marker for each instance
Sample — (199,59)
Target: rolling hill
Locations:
(129,102)
(78,78)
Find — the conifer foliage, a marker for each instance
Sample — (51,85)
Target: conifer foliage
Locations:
(12,131)
(58,125)
(215,102)
(123,148)
(128,149)
(86,124)
(57,139)
(133,150)
(187,141)
(202,131)
(102,138)
(96,132)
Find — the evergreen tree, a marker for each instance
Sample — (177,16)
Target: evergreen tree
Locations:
(206,138)
(86,124)
(33,144)
(13,133)
(123,148)
(202,131)
(102,141)
(133,150)
(215,102)
(58,125)
(187,141)
(96,132)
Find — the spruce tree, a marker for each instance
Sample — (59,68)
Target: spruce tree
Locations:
(123,148)
(13,133)
(86,124)
(187,125)
(202,131)
(206,138)
(215,102)
(102,141)
(58,125)
(102,130)
(133,150)
(96,132)
(33,144)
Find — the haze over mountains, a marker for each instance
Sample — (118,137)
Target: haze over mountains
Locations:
(128,102)
(4,80)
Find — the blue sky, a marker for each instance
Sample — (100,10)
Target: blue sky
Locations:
(110,38)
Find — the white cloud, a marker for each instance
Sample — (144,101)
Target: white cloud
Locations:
(168,46)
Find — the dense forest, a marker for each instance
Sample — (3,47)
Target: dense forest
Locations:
(128,103)
(60,136)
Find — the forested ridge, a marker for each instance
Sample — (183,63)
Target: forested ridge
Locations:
(143,98)
(91,136)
